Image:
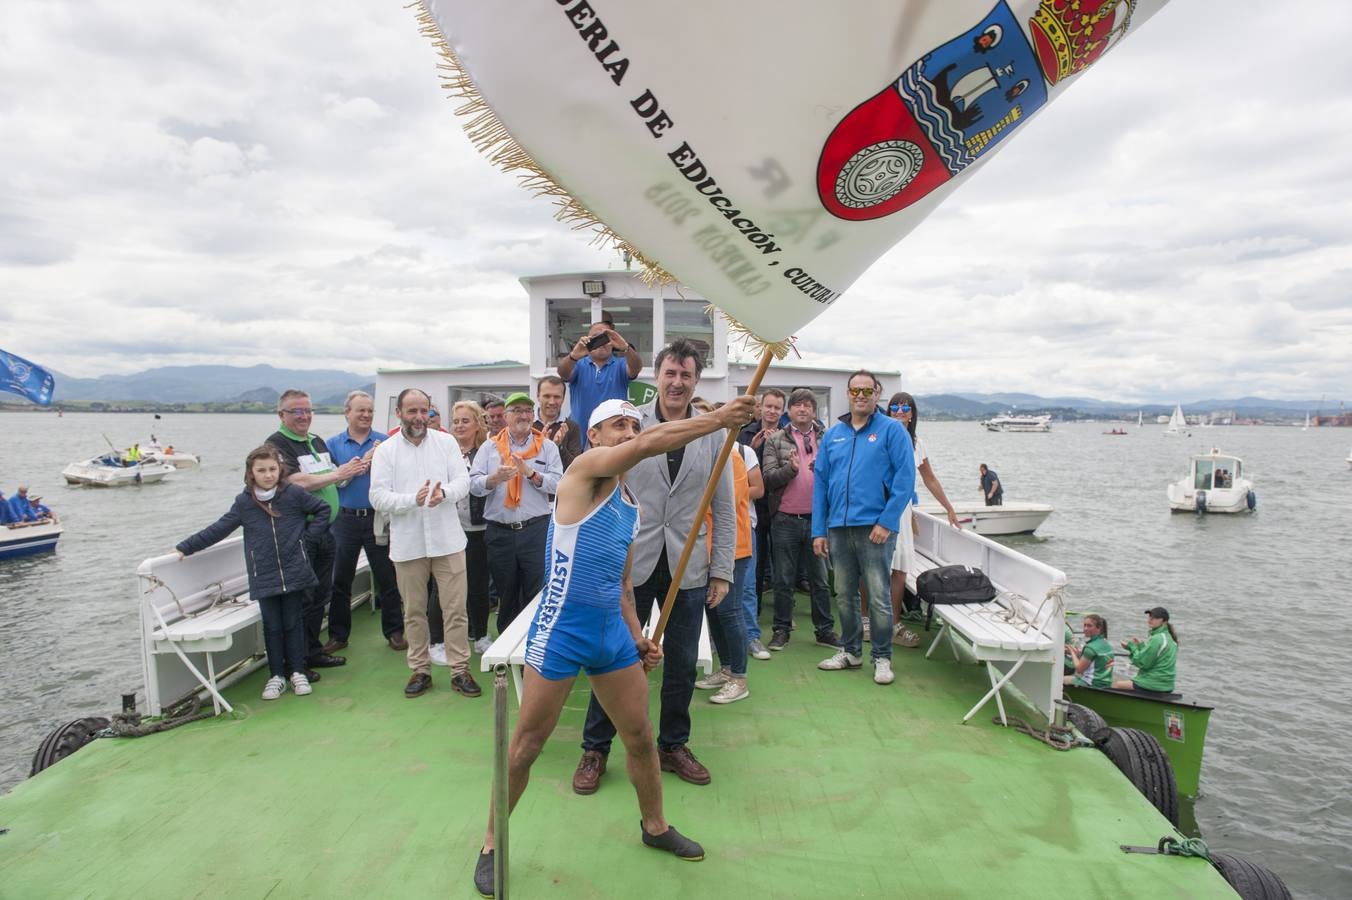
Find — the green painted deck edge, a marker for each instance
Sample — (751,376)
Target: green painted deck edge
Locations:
(824,785)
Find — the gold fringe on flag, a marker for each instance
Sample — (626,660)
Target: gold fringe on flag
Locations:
(490,137)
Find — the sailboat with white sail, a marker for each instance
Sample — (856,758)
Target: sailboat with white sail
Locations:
(1306,426)
(1178,426)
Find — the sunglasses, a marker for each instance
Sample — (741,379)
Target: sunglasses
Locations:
(899,407)
(861,392)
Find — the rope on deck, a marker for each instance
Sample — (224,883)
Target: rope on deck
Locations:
(1055,738)
(133,724)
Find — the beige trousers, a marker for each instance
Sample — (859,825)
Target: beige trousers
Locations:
(452,585)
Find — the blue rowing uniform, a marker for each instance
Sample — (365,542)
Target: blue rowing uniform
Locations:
(578,624)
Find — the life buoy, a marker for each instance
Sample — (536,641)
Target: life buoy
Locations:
(65,740)
(1250,880)
(1144,762)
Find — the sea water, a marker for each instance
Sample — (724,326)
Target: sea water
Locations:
(1259,601)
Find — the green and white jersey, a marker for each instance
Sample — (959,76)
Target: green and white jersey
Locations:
(1070,657)
(1154,660)
(1099,672)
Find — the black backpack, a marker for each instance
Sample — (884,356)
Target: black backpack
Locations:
(952,584)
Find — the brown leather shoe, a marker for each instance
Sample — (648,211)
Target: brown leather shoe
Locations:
(334,646)
(397,642)
(590,768)
(419,684)
(680,760)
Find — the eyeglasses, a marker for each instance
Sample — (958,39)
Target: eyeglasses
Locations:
(899,407)
(522,410)
(861,392)
(299,413)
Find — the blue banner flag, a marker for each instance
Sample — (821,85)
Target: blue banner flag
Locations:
(19,376)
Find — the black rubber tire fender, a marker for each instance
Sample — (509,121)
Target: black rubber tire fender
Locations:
(1250,880)
(1086,721)
(1141,758)
(65,740)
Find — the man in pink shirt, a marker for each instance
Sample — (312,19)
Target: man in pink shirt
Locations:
(786,466)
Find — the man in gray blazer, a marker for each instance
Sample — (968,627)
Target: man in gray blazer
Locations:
(669,488)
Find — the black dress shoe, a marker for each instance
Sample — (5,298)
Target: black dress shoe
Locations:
(311,675)
(326,661)
(464,684)
(419,684)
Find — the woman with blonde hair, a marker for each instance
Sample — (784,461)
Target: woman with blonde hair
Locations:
(469,427)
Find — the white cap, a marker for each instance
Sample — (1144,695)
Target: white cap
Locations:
(608,409)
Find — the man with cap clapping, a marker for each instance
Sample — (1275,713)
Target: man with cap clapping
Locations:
(518,471)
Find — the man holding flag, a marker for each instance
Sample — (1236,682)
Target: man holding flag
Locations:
(587,617)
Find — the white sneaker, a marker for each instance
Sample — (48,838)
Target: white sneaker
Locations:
(841,660)
(716,680)
(866,630)
(275,687)
(882,671)
(437,653)
(300,684)
(481,645)
(734,690)
(757,650)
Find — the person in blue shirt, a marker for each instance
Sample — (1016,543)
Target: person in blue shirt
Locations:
(7,516)
(354,529)
(598,373)
(864,476)
(26,509)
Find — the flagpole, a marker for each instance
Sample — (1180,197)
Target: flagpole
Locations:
(705,501)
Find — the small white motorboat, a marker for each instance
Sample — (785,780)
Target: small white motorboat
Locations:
(109,470)
(1215,484)
(27,538)
(1011,518)
(1011,422)
(1178,426)
(176,458)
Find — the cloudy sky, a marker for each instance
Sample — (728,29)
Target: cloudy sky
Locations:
(261,182)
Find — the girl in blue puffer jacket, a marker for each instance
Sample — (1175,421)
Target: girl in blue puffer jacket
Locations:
(277,518)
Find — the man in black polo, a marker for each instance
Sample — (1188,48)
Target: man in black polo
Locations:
(355,529)
(311,468)
(564,432)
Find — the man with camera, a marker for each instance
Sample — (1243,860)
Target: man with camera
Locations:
(598,368)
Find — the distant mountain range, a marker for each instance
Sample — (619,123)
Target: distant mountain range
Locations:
(213,384)
(329,387)
(972,406)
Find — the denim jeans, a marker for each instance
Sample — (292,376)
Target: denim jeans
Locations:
(283,633)
(854,556)
(791,538)
(350,534)
(727,627)
(321,553)
(746,590)
(680,648)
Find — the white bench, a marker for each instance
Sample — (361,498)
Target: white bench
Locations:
(510,647)
(196,615)
(1023,628)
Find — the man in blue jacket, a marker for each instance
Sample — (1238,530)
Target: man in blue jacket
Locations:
(865,474)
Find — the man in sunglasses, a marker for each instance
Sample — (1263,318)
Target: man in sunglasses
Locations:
(864,477)
(310,467)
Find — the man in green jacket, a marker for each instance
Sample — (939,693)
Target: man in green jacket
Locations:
(1153,658)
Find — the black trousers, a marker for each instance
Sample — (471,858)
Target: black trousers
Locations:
(516,557)
(321,553)
(352,534)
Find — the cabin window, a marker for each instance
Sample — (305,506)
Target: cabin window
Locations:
(687,319)
(634,321)
(1202,477)
(565,322)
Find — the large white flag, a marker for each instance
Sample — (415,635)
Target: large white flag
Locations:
(765,152)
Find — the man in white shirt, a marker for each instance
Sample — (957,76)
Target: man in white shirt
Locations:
(417,477)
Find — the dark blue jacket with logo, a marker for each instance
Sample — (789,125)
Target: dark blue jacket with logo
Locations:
(862,476)
(274,547)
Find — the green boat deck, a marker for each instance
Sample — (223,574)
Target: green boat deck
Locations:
(824,785)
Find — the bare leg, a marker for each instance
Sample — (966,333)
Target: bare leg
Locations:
(898,593)
(624,697)
(541,703)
